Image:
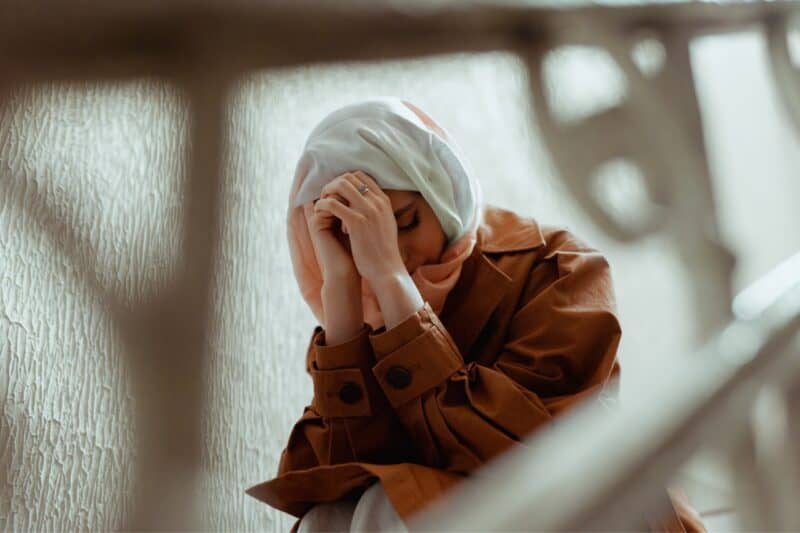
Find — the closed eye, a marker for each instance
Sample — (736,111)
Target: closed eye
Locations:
(413,224)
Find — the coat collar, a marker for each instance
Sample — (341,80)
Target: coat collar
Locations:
(505,231)
(482,284)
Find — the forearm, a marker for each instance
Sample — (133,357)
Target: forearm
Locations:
(337,429)
(344,316)
(398,298)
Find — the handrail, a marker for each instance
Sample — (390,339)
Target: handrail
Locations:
(590,470)
(100,40)
(205,46)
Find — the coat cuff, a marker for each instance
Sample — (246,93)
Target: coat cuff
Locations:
(356,351)
(343,382)
(385,342)
(414,356)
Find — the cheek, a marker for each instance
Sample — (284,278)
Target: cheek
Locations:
(441,244)
(425,245)
(432,241)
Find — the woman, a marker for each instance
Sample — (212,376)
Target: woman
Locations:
(450,330)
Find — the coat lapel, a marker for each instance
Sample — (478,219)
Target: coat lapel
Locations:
(482,285)
(480,288)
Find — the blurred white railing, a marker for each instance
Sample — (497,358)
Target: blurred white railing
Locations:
(738,397)
(204,47)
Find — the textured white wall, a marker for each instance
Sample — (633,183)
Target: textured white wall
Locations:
(109,158)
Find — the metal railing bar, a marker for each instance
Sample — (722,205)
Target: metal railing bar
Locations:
(620,461)
(758,296)
(96,40)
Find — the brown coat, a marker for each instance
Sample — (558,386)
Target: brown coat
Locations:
(528,331)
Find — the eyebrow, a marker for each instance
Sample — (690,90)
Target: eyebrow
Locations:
(403,209)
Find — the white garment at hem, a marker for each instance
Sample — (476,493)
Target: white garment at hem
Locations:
(371,512)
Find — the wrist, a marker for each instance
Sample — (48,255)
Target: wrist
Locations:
(390,280)
(398,297)
(344,315)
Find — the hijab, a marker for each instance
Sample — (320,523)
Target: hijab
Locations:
(401,148)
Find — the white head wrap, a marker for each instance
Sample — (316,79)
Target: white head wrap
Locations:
(388,141)
(401,148)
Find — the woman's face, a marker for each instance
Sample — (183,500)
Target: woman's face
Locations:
(420,236)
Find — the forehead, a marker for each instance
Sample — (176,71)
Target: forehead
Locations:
(400,198)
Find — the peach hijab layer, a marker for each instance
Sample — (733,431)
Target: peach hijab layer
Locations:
(401,148)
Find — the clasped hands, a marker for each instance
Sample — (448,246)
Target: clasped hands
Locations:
(365,247)
(368,229)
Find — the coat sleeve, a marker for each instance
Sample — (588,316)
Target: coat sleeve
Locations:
(560,347)
(349,418)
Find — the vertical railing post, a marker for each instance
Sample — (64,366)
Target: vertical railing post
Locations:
(166,334)
(658,127)
(785,72)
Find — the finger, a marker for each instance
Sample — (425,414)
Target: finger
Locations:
(319,219)
(331,189)
(333,194)
(344,186)
(310,210)
(341,211)
(368,180)
(357,182)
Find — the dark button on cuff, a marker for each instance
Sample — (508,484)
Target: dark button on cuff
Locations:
(398,377)
(350,393)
